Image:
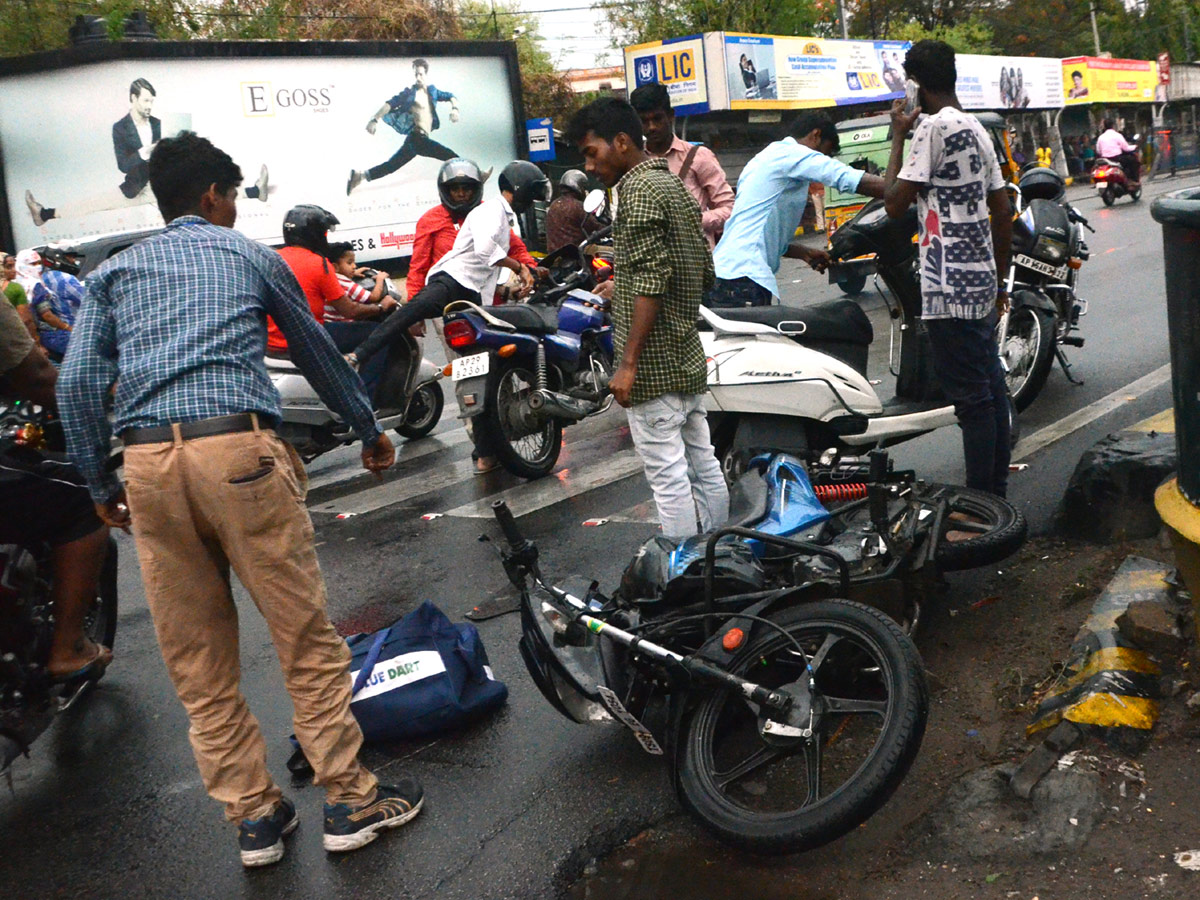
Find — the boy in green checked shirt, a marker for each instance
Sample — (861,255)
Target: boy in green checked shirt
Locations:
(662,268)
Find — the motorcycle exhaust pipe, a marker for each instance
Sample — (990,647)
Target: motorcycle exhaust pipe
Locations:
(554,404)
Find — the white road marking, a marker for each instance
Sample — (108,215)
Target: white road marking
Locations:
(1090,413)
(400,490)
(351,468)
(554,488)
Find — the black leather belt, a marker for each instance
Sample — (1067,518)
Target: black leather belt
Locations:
(203,428)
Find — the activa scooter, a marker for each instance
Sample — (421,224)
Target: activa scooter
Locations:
(794,379)
(408,399)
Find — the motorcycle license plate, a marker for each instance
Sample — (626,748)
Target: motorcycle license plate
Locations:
(470,366)
(1059,272)
(1101,185)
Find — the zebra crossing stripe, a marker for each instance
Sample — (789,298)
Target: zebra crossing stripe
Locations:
(402,489)
(349,468)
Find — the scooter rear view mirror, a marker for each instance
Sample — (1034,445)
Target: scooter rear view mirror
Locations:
(594,202)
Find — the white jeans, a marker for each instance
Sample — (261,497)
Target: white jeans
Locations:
(669,432)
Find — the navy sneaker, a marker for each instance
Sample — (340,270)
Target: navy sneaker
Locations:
(351,827)
(261,840)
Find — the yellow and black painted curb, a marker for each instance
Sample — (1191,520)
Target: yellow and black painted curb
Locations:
(1108,682)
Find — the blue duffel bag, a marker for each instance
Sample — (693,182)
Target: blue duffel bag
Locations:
(422,674)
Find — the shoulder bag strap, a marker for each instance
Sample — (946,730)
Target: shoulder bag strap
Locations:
(687,162)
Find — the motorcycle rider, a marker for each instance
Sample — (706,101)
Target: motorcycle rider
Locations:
(460,187)
(306,246)
(45,500)
(566,221)
(1111,144)
(472,267)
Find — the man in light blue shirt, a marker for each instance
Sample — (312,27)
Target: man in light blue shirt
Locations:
(771,196)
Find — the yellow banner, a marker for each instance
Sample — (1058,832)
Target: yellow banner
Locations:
(1089,79)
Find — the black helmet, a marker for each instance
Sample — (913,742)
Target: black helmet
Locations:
(57,258)
(308,225)
(460,172)
(1041,183)
(574,181)
(527,183)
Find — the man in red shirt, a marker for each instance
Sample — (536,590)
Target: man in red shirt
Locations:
(305,236)
(460,186)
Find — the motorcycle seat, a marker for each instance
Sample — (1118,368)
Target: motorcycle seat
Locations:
(749,500)
(835,320)
(529,318)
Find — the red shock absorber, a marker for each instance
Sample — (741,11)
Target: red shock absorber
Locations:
(839,493)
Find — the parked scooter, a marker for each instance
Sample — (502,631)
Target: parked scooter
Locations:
(756,659)
(795,378)
(29,698)
(1048,250)
(408,398)
(1112,183)
(526,371)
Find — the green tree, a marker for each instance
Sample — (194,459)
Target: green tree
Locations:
(30,26)
(635,22)
(971,36)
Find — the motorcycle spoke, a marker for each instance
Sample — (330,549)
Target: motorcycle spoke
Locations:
(855,707)
(763,756)
(812,759)
(817,658)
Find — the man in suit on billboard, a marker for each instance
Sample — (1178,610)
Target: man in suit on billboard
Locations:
(134,137)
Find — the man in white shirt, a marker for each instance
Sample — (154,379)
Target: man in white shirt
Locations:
(1112,145)
(472,267)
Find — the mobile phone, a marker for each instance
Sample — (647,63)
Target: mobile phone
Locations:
(911,92)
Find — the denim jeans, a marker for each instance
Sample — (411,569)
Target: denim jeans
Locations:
(737,292)
(348,335)
(669,432)
(967,365)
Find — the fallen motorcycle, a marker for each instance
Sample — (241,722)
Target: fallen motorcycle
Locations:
(755,659)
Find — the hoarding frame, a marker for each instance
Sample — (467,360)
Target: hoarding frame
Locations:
(84,55)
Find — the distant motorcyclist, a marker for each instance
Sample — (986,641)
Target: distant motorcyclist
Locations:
(1112,145)
(472,267)
(566,221)
(460,187)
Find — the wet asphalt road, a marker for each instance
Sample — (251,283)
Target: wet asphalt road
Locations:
(110,804)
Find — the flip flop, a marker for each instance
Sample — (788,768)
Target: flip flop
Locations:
(493,467)
(92,669)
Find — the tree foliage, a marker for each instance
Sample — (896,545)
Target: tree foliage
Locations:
(637,21)
(971,36)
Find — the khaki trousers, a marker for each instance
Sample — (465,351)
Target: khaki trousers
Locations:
(200,507)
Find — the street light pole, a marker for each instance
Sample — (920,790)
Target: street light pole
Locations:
(1095,30)
(842,18)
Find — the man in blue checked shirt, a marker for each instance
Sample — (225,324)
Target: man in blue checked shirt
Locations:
(178,323)
(771,194)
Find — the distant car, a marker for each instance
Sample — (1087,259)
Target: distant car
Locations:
(90,252)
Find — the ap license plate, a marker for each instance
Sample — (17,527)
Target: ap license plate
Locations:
(1059,272)
(470,366)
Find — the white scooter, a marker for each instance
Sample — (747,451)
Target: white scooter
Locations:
(795,380)
(408,399)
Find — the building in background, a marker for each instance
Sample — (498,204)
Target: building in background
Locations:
(605,80)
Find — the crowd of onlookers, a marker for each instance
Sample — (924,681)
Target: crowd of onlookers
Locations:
(46,298)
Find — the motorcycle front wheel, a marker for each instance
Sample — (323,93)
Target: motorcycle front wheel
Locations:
(783,795)
(524,451)
(1029,352)
(424,412)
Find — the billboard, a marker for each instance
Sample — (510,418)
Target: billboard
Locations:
(1009,82)
(359,128)
(678,65)
(774,72)
(1088,79)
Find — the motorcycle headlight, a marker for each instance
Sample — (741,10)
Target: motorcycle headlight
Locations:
(1050,250)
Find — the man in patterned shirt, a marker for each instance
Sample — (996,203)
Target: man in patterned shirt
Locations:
(953,174)
(663,268)
(178,322)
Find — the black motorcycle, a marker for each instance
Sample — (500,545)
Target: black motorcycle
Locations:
(759,660)
(1048,250)
(29,697)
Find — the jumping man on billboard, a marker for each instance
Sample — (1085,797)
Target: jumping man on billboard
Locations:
(412,113)
(134,137)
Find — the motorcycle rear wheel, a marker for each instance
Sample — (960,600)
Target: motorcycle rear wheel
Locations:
(1029,350)
(100,624)
(424,412)
(1000,530)
(759,795)
(525,455)
(1109,196)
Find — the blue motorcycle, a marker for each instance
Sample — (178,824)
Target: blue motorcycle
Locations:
(523,372)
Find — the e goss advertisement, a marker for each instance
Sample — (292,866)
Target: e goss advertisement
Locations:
(773,72)
(362,136)
(678,65)
(1009,82)
(1088,79)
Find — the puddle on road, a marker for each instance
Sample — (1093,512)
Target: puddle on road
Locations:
(658,865)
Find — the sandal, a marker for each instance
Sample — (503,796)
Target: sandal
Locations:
(93,668)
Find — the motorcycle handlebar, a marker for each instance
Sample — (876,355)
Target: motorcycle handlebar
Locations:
(508,525)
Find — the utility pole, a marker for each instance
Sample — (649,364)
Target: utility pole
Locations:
(1095,30)
(842,18)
